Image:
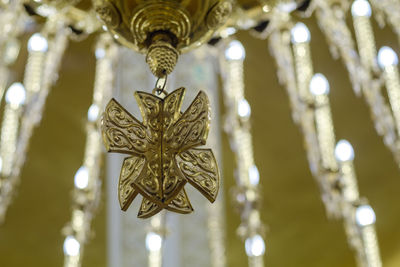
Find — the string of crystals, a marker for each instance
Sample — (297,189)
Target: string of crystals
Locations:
(45,52)
(358,216)
(279,46)
(336,168)
(362,68)
(15,99)
(295,72)
(388,62)
(331,17)
(384,120)
(237,125)
(316,121)
(86,194)
(319,88)
(13,20)
(331,166)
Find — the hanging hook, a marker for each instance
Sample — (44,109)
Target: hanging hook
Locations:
(159,88)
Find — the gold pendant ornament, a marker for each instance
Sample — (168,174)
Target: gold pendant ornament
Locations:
(163,153)
(163,148)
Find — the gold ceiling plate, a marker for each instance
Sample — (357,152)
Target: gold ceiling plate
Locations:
(163,153)
(161,16)
(189,23)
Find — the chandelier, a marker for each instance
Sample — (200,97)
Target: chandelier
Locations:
(192,43)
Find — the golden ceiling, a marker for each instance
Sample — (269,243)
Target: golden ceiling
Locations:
(299,234)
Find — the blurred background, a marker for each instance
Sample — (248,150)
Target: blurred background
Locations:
(298,231)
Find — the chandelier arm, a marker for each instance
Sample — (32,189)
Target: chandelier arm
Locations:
(32,111)
(303,115)
(336,180)
(362,70)
(335,174)
(331,20)
(12,21)
(237,126)
(87,191)
(386,116)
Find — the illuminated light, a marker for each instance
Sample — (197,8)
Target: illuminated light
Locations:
(1,164)
(243,109)
(37,43)
(387,57)
(71,246)
(319,85)
(228,32)
(104,27)
(344,151)
(254,175)
(361,8)
(365,215)
(235,51)
(300,33)
(82,178)
(16,94)
(93,113)
(287,7)
(254,246)
(266,8)
(46,10)
(153,241)
(100,53)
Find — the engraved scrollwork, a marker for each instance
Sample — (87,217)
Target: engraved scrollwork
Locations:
(172,107)
(219,14)
(109,14)
(148,209)
(150,108)
(122,132)
(173,180)
(148,182)
(192,128)
(131,168)
(200,169)
(162,160)
(180,203)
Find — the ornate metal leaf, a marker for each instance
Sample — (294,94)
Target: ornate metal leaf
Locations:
(200,169)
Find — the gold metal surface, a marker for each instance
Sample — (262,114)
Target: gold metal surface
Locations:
(161,55)
(190,23)
(182,25)
(293,212)
(292,207)
(162,151)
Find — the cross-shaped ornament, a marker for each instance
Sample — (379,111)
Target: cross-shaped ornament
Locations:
(162,151)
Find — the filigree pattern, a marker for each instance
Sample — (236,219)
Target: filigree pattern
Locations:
(191,129)
(162,151)
(123,133)
(198,166)
(131,168)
